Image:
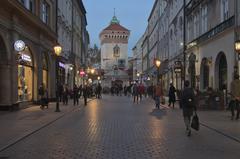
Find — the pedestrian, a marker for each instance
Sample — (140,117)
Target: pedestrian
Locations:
(41,94)
(75,95)
(99,91)
(188,105)
(45,99)
(135,93)
(85,93)
(60,92)
(171,95)
(112,91)
(158,93)
(235,92)
(80,91)
(65,95)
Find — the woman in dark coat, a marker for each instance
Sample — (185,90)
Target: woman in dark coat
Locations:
(171,95)
(188,102)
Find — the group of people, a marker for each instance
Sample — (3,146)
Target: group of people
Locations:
(64,93)
(187,100)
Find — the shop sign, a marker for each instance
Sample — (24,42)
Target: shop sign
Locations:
(82,73)
(19,45)
(26,58)
(62,65)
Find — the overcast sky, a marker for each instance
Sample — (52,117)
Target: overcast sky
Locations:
(133,15)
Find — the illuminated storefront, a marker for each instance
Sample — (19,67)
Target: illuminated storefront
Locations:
(25,76)
(45,71)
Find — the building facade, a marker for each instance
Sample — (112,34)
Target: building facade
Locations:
(138,60)
(211,33)
(200,34)
(114,52)
(73,36)
(153,38)
(33,22)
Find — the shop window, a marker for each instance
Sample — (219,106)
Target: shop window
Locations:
(25,76)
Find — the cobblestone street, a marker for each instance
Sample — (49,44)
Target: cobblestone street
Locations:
(116,128)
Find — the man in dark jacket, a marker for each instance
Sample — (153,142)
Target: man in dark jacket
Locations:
(85,92)
(41,94)
(171,95)
(188,105)
(75,95)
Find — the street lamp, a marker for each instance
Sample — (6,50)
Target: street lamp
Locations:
(98,78)
(177,70)
(57,50)
(158,63)
(92,71)
(237,46)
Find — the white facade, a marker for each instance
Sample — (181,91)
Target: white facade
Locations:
(138,59)
(153,33)
(114,52)
(108,60)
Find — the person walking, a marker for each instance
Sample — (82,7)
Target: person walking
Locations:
(75,95)
(45,99)
(65,95)
(41,94)
(188,105)
(158,93)
(171,95)
(135,93)
(60,92)
(235,92)
(98,91)
(85,93)
(141,90)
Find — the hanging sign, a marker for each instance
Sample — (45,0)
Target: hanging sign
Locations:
(19,45)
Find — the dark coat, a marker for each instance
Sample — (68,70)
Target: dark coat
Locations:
(171,94)
(188,93)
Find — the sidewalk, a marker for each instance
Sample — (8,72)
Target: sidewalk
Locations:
(217,120)
(17,125)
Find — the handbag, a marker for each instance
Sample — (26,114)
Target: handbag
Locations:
(195,122)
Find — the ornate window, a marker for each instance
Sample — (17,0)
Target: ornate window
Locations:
(116,51)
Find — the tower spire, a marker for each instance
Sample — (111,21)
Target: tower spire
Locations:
(114,19)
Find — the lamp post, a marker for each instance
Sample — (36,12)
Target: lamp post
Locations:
(57,51)
(158,63)
(177,70)
(138,75)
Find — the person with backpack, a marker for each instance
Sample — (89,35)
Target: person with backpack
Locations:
(188,105)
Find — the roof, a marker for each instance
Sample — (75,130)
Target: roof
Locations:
(115,26)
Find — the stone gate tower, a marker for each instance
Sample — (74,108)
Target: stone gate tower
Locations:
(114,50)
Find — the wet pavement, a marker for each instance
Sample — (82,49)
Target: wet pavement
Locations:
(116,128)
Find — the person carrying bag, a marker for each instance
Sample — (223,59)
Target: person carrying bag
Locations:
(188,107)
